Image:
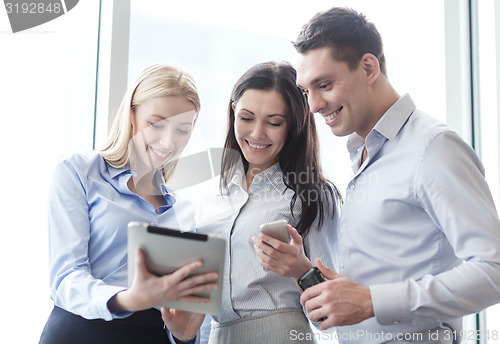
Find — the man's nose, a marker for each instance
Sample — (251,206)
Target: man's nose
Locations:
(316,102)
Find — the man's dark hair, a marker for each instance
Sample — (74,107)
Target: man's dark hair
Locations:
(346,32)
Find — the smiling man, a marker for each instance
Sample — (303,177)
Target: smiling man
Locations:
(419,237)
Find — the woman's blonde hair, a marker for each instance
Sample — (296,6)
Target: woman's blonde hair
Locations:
(155,81)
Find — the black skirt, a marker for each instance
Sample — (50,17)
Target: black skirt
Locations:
(64,327)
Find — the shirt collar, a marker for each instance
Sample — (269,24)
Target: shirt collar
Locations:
(159,180)
(237,180)
(389,124)
(273,174)
(114,172)
(394,119)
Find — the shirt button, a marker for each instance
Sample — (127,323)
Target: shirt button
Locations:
(157,211)
(259,178)
(395,322)
(352,186)
(227,304)
(236,192)
(225,273)
(268,188)
(341,265)
(344,225)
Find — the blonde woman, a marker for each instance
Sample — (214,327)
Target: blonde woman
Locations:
(93,197)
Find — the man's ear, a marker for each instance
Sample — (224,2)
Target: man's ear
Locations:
(371,67)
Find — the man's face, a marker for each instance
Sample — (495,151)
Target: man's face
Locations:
(338,94)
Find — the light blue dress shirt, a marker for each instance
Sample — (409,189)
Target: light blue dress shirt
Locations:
(418,226)
(236,215)
(90,206)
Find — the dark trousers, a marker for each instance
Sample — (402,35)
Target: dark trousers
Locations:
(64,327)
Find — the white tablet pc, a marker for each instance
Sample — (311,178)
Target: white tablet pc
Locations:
(166,250)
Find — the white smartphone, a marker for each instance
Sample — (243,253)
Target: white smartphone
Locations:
(276,229)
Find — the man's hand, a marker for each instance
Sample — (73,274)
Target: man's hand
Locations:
(339,300)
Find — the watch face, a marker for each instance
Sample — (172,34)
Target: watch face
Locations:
(310,278)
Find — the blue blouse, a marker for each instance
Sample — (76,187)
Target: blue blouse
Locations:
(90,206)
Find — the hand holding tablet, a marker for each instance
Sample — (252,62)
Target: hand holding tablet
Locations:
(166,251)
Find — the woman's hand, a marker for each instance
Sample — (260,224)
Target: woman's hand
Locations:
(148,290)
(281,258)
(183,325)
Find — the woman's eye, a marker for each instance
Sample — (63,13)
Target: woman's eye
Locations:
(184,131)
(275,124)
(156,125)
(246,119)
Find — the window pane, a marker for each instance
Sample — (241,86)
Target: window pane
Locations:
(489,124)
